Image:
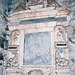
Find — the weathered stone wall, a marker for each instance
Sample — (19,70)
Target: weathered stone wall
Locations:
(71,6)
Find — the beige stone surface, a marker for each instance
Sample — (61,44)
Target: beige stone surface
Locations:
(39,27)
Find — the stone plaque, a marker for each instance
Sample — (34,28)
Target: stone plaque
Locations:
(37,48)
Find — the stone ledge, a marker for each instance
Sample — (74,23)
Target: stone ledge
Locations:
(36,14)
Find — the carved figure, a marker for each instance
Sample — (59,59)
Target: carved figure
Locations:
(15,37)
(60,35)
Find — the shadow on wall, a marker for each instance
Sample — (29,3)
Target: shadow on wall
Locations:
(1,57)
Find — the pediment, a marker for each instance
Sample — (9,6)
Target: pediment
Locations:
(36,4)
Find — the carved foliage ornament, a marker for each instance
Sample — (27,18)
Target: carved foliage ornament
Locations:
(12,62)
(61,58)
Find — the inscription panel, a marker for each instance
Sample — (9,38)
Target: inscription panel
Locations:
(37,48)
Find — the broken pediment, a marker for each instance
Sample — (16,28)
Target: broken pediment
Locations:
(36,4)
(20,7)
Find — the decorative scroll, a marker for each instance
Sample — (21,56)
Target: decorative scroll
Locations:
(40,72)
(61,62)
(15,37)
(35,72)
